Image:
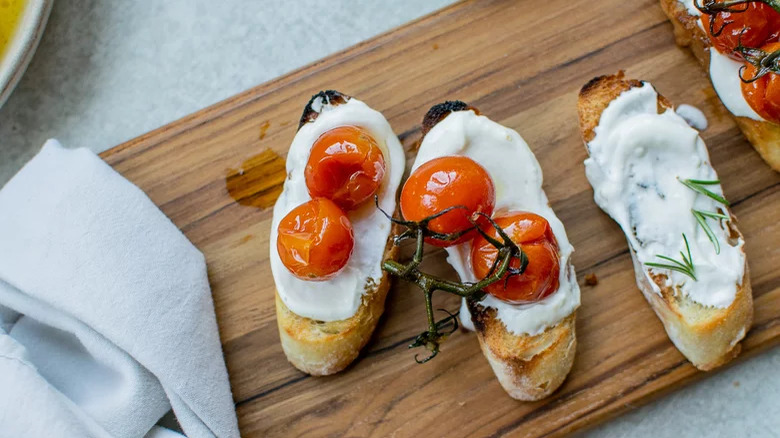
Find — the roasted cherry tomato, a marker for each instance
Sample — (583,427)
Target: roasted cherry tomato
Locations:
(756,26)
(763,94)
(533,234)
(445,182)
(346,166)
(315,240)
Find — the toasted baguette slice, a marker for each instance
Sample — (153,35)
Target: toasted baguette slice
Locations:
(764,136)
(708,337)
(528,367)
(322,348)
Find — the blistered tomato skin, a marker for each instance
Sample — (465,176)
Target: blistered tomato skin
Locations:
(315,240)
(757,25)
(446,182)
(535,237)
(346,166)
(763,94)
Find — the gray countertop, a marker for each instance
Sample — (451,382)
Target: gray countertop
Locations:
(106,72)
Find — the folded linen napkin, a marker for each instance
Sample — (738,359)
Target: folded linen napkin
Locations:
(106,316)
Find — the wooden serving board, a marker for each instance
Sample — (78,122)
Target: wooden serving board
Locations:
(521,63)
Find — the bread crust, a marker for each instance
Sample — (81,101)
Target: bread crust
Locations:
(528,367)
(706,336)
(763,135)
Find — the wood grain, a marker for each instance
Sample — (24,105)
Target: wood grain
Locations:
(521,63)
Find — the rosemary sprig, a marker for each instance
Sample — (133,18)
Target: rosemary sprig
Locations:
(697,185)
(715,7)
(701,218)
(438,331)
(686,266)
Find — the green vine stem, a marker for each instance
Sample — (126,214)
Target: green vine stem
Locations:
(764,62)
(438,331)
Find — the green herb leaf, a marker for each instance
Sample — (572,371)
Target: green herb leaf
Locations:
(701,218)
(673,268)
(685,267)
(698,186)
(705,182)
(713,215)
(689,260)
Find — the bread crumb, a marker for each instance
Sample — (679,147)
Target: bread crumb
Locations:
(591,280)
(736,383)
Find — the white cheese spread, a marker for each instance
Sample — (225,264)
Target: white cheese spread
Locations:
(693,116)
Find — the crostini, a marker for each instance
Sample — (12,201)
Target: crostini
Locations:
(328,239)
(651,173)
(525,323)
(738,44)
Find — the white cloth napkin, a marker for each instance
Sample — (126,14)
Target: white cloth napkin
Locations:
(106,317)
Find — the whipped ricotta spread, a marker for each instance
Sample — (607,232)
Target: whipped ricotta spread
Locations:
(518,182)
(339,297)
(693,116)
(637,159)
